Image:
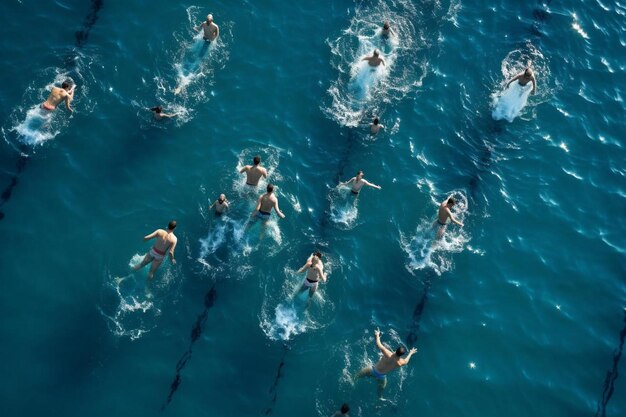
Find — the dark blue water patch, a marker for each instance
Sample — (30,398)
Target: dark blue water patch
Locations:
(90,20)
(540,16)
(411,337)
(611,376)
(196,332)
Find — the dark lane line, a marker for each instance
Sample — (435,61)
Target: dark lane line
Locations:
(81,37)
(609,382)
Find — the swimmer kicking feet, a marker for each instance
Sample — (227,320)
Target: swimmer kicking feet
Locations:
(221,205)
(358,182)
(165,243)
(314,268)
(158,113)
(387,363)
(375,126)
(254,172)
(374,60)
(266,203)
(445,214)
(524,78)
(57,95)
(211,30)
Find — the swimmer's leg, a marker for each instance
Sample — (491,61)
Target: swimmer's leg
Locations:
(367,371)
(312,290)
(440,231)
(155,265)
(146,260)
(382,383)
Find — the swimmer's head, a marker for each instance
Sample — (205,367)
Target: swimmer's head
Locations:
(157,109)
(318,254)
(67,84)
(386,26)
(222,198)
(400,351)
(345,408)
(171,225)
(270,188)
(376,121)
(376,53)
(359,174)
(209,18)
(451,202)
(256,160)
(528,72)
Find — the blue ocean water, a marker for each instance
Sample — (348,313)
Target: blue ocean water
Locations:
(520,312)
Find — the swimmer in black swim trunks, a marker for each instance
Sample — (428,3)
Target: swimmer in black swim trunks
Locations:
(358,182)
(266,203)
(314,268)
(445,214)
(211,30)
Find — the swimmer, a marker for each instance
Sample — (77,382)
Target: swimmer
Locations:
(524,78)
(343,411)
(254,172)
(211,30)
(374,60)
(57,95)
(314,268)
(358,182)
(375,126)
(387,30)
(221,205)
(387,363)
(266,203)
(445,214)
(158,113)
(165,243)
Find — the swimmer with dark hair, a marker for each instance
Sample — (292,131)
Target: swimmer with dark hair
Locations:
(164,245)
(387,31)
(359,182)
(443,216)
(266,203)
(254,172)
(314,268)
(57,95)
(387,363)
(375,126)
(158,113)
(374,60)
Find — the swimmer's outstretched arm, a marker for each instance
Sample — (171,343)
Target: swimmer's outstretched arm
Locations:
(452,218)
(406,360)
(172,252)
(517,77)
(534,81)
(369,184)
(380,346)
(213,205)
(244,169)
(68,99)
(306,264)
(348,182)
(280,213)
(151,235)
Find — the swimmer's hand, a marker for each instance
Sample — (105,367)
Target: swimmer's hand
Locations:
(173,261)
(377,332)
(413,351)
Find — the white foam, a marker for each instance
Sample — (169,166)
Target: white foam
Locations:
(510,102)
